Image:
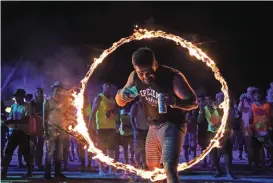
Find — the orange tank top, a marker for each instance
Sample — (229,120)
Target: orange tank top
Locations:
(261,117)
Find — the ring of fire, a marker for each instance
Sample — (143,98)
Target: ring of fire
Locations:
(139,34)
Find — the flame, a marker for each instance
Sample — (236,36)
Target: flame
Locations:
(139,34)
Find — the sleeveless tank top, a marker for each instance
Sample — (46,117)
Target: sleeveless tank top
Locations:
(105,115)
(214,119)
(140,119)
(163,83)
(55,113)
(261,118)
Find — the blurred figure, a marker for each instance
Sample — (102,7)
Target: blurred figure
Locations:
(213,114)
(18,122)
(244,108)
(39,99)
(103,114)
(261,127)
(190,137)
(237,126)
(4,130)
(140,126)
(126,135)
(53,117)
(202,129)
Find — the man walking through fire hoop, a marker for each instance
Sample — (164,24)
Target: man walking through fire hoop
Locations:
(167,126)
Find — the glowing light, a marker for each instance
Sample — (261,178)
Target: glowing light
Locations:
(8,109)
(139,34)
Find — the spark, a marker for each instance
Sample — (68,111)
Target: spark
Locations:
(139,34)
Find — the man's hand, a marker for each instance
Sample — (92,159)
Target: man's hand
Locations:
(126,95)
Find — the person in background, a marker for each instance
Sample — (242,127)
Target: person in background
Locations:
(126,134)
(202,130)
(39,99)
(53,120)
(237,126)
(190,137)
(18,122)
(244,108)
(103,114)
(261,128)
(4,130)
(140,127)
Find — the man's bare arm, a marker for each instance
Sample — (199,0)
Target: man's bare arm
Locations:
(45,116)
(133,113)
(120,98)
(95,106)
(185,96)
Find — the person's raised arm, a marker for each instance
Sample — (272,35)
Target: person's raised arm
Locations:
(122,96)
(185,97)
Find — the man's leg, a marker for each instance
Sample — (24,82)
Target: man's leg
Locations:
(186,146)
(11,146)
(153,149)
(39,152)
(59,154)
(227,149)
(50,147)
(66,144)
(27,147)
(171,139)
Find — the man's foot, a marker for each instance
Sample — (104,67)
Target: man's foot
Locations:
(101,173)
(230,176)
(217,175)
(3,175)
(47,177)
(60,176)
(82,169)
(27,175)
(41,168)
(21,165)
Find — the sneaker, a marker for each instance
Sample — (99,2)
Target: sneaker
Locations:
(60,176)
(217,175)
(21,165)
(230,176)
(47,177)
(3,175)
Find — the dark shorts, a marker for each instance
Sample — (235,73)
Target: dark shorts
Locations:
(163,144)
(189,140)
(107,139)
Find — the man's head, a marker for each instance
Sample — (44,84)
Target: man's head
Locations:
(209,101)
(258,95)
(219,97)
(19,95)
(249,92)
(39,93)
(107,88)
(57,89)
(145,64)
(28,97)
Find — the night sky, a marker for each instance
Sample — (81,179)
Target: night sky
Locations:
(242,32)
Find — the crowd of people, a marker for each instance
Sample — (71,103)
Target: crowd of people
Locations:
(35,121)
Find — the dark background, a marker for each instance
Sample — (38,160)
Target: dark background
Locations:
(236,35)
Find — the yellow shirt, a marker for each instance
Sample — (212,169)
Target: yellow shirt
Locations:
(106,114)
